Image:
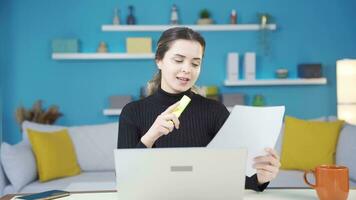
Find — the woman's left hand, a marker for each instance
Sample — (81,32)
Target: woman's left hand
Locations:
(267,166)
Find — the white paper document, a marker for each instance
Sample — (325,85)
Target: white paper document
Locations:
(254,128)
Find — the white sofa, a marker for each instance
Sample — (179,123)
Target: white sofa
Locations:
(345,155)
(94,146)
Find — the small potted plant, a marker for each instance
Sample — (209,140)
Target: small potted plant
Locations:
(204,17)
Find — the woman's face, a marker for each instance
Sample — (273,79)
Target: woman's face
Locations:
(180,66)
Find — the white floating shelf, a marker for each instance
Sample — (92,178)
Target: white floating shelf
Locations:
(111,112)
(100,56)
(221,27)
(266,82)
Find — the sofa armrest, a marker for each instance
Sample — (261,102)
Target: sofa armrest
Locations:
(3,180)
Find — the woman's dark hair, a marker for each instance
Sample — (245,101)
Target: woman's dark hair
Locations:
(164,43)
(173,34)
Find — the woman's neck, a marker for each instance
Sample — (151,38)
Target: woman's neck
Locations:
(166,98)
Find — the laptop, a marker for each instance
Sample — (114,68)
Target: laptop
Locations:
(180,173)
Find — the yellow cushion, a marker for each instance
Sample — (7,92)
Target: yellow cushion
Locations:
(55,154)
(307,144)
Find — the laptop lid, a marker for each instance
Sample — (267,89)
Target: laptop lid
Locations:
(180,173)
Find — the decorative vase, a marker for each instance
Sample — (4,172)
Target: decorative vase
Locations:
(233,17)
(131,19)
(174,15)
(116,19)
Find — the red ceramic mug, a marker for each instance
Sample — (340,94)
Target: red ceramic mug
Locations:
(331,182)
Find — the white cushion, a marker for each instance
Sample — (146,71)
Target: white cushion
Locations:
(290,178)
(346,149)
(19,164)
(38,127)
(95,145)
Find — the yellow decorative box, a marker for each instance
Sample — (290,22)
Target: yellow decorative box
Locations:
(139,45)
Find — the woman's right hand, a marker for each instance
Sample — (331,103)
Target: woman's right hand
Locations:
(161,126)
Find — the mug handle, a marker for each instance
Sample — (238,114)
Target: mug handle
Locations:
(306,179)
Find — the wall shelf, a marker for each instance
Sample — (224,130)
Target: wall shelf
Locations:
(100,56)
(266,82)
(112,112)
(160,28)
(220,27)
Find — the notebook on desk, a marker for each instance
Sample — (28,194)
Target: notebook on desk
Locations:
(180,173)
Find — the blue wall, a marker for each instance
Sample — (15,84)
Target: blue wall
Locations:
(308,31)
(4,41)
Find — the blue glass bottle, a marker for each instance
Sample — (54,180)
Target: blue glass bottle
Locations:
(130,17)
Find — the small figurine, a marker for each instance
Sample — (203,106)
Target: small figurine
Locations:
(174,15)
(103,48)
(116,20)
(233,17)
(131,18)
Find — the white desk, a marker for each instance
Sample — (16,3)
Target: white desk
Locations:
(269,194)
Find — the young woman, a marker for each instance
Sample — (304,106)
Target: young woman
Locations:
(147,123)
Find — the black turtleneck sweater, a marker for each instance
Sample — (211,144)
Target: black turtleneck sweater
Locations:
(199,123)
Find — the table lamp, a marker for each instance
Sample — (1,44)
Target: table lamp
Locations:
(346,90)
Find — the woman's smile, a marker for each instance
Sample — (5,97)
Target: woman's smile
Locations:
(183,80)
